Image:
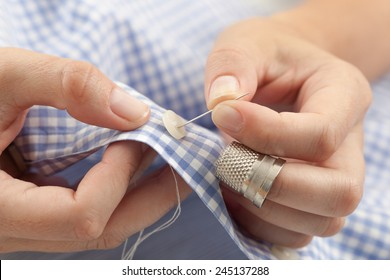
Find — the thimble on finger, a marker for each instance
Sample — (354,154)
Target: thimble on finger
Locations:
(247,171)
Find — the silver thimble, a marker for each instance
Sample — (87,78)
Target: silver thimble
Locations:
(248,172)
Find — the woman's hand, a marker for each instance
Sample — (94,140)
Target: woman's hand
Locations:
(101,213)
(307,106)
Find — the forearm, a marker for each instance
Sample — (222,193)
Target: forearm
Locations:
(354,30)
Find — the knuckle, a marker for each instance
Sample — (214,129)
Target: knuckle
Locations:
(294,240)
(362,83)
(277,190)
(267,210)
(327,141)
(130,166)
(88,227)
(78,78)
(349,196)
(222,57)
(332,226)
(106,242)
(111,242)
(169,196)
(267,142)
(299,241)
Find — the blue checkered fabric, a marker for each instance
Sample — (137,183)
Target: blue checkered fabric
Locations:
(159,48)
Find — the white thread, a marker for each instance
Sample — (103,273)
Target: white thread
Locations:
(130,253)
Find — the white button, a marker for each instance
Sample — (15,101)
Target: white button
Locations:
(283,253)
(171,122)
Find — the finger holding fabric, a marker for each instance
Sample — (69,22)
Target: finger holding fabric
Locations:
(36,215)
(28,78)
(55,213)
(307,106)
(101,214)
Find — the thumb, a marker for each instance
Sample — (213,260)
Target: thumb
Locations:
(28,78)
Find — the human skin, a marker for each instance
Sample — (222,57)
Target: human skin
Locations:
(309,96)
(101,212)
(307,71)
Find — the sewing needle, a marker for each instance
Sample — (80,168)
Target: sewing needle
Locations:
(208,112)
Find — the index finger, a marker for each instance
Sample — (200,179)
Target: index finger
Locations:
(328,106)
(58,213)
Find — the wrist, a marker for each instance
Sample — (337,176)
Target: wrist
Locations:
(353,30)
(305,24)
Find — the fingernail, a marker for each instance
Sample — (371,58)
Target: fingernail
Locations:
(228,118)
(126,106)
(224,87)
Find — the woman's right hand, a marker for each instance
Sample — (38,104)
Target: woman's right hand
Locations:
(307,106)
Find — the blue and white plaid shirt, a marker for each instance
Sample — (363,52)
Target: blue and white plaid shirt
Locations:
(159,49)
